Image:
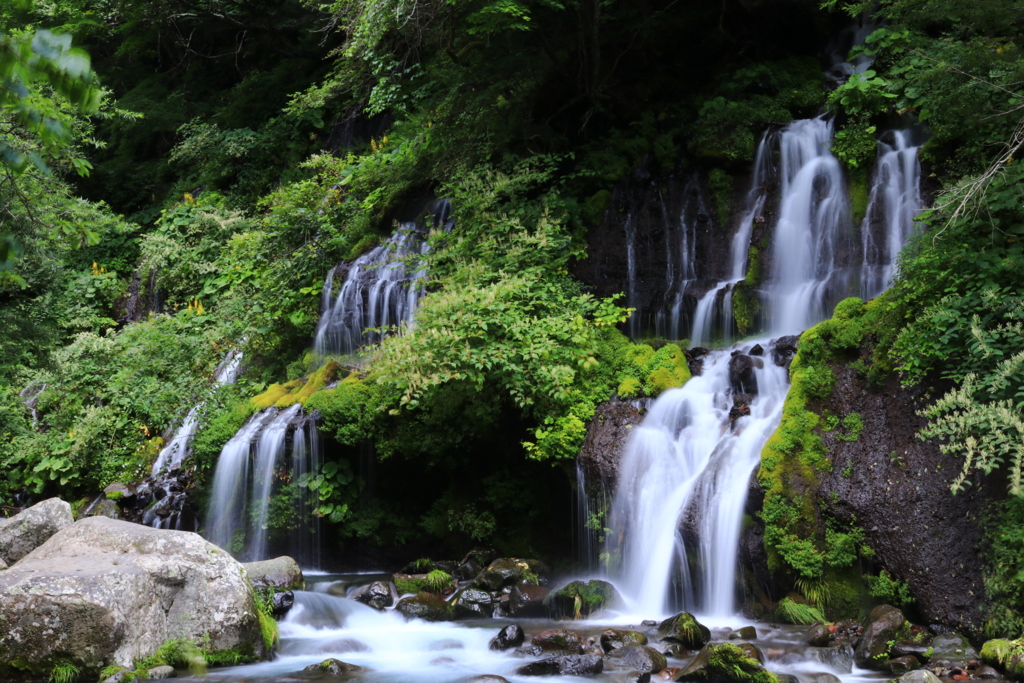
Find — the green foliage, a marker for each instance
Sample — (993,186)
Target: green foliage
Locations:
(855,143)
(889,590)
(720,184)
(854,425)
(1004,583)
(726,661)
(792,612)
(64,673)
(437,581)
(629,388)
(264,600)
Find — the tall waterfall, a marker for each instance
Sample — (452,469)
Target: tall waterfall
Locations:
(678,508)
(174,452)
(380,289)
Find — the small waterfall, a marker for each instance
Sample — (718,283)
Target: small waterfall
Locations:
(174,452)
(306,461)
(381,289)
(269,451)
(812,235)
(689,461)
(632,300)
(893,205)
(681,258)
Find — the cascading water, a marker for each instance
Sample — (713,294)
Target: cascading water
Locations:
(269,451)
(689,460)
(681,260)
(381,289)
(174,452)
(893,205)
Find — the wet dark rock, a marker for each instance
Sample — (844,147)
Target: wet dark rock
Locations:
(753,651)
(637,658)
(986,672)
(527,600)
(602,452)
(838,658)
(677,651)
(639,677)
(426,606)
(471,603)
(784,349)
(901,665)
(684,630)
(335,667)
(507,571)
(559,639)
(919,676)
(580,598)
(487,678)
(695,360)
(649,623)
(567,665)
(508,637)
(757,350)
(282,603)
(818,635)
(741,373)
(377,595)
(881,627)
(528,651)
(785,678)
(614,638)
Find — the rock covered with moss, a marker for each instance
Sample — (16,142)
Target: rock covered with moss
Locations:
(104,592)
(1008,655)
(29,529)
(684,630)
(726,663)
(580,598)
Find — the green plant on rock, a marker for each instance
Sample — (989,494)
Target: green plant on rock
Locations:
(65,672)
(793,612)
(438,581)
(888,589)
(264,600)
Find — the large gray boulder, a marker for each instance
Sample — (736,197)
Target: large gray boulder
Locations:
(29,529)
(104,592)
(881,629)
(281,573)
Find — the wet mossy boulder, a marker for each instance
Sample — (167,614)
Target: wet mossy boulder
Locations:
(614,638)
(726,663)
(881,629)
(426,606)
(637,658)
(335,667)
(950,648)
(580,599)
(508,571)
(684,630)
(1008,655)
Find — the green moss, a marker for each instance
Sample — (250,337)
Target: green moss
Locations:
(629,388)
(668,370)
(115,495)
(720,185)
(365,244)
(746,307)
(854,425)
(594,208)
(410,584)
(316,382)
(1006,654)
(274,393)
(728,662)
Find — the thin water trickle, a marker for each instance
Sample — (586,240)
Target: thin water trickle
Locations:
(269,452)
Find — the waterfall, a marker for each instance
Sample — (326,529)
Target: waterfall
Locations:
(381,289)
(893,204)
(681,260)
(631,295)
(269,450)
(812,234)
(689,461)
(174,452)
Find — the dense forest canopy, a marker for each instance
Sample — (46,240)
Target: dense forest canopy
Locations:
(187,191)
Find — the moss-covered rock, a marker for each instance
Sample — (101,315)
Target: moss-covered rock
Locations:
(426,606)
(726,663)
(579,599)
(1008,655)
(614,638)
(683,629)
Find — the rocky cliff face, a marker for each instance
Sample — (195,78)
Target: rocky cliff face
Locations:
(896,488)
(598,461)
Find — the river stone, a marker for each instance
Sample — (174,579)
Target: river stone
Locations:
(487,678)
(818,635)
(614,638)
(745,633)
(377,595)
(638,658)
(119,492)
(919,676)
(908,647)
(986,672)
(559,639)
(508,637)
(334,667)
(580,599)
(838,658)
(722,663)
(283,602)
(753,651)
(106,508)
(527,600)
(501,572)
(104,592)
(683,629)
(29,529)
(951,647)
(426,606)
(882,625)
(902,665)
(281,573)
(160,672)
(472,603)
(566,665)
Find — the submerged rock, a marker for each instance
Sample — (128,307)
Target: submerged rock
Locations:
(881,628)
(30,528)
(335,667)
(901,665)
(580,598)
(638,658)
(566,665)
(281,574)
(741,373)
(508,637)
(559,639)
(683,629)
(103,592)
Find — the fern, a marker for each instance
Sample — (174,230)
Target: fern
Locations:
(795,613)
(64,673)
(438,580)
